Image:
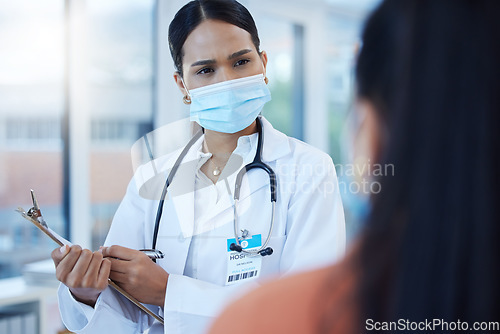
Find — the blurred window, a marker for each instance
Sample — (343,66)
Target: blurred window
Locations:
(120,84)
(342,47)
(31,112)
(343,44)
(278,39)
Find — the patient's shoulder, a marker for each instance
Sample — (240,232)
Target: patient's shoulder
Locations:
(298,303)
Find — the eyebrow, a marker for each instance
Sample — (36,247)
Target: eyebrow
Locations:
(239,53)
(203,62)
(212,61)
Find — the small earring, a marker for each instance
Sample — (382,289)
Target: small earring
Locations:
(266,80)
(186,99)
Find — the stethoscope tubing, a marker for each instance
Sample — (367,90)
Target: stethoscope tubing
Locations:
(256,163)
(264,245)
(170,176)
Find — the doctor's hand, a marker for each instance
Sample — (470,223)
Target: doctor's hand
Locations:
(84,272)
(134,272)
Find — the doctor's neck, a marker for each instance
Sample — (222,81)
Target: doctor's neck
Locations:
(223,144)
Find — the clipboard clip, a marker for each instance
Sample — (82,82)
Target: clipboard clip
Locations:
(34,215)
(35,212)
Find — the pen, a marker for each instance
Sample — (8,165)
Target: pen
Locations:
(153,253)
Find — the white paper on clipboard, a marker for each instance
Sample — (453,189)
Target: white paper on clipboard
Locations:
(58,237)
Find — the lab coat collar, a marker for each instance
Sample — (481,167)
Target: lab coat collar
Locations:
(276,144)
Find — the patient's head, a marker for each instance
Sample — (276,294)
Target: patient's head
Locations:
(428,92)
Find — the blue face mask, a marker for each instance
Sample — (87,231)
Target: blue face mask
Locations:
(229,106)
(356,203)
(355,189)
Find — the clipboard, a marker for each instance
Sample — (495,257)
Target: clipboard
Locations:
(34,216)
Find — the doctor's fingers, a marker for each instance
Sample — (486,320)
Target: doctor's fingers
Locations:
(121,278)
(129,282)
(58,254)
(80,268)
(120,252)
(96,274)
(131,272)
(76,258)
(66,260)
(103,274)
(121,266)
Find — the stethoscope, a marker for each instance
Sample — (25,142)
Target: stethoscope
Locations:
(256,163)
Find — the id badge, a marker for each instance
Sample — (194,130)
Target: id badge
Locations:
(241,266)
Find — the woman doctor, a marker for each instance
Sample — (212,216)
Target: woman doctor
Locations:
(221,73)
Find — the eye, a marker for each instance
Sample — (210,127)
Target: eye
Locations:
(205,70)
(241,62)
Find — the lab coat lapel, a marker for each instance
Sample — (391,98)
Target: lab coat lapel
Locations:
(275,145)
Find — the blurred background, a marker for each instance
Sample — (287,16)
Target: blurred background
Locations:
(82,80)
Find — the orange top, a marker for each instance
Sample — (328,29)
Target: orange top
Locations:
(320,301)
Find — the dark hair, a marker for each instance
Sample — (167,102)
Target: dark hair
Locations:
(430,248)
(197,11)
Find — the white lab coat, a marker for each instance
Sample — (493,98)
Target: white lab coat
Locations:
(309,232)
